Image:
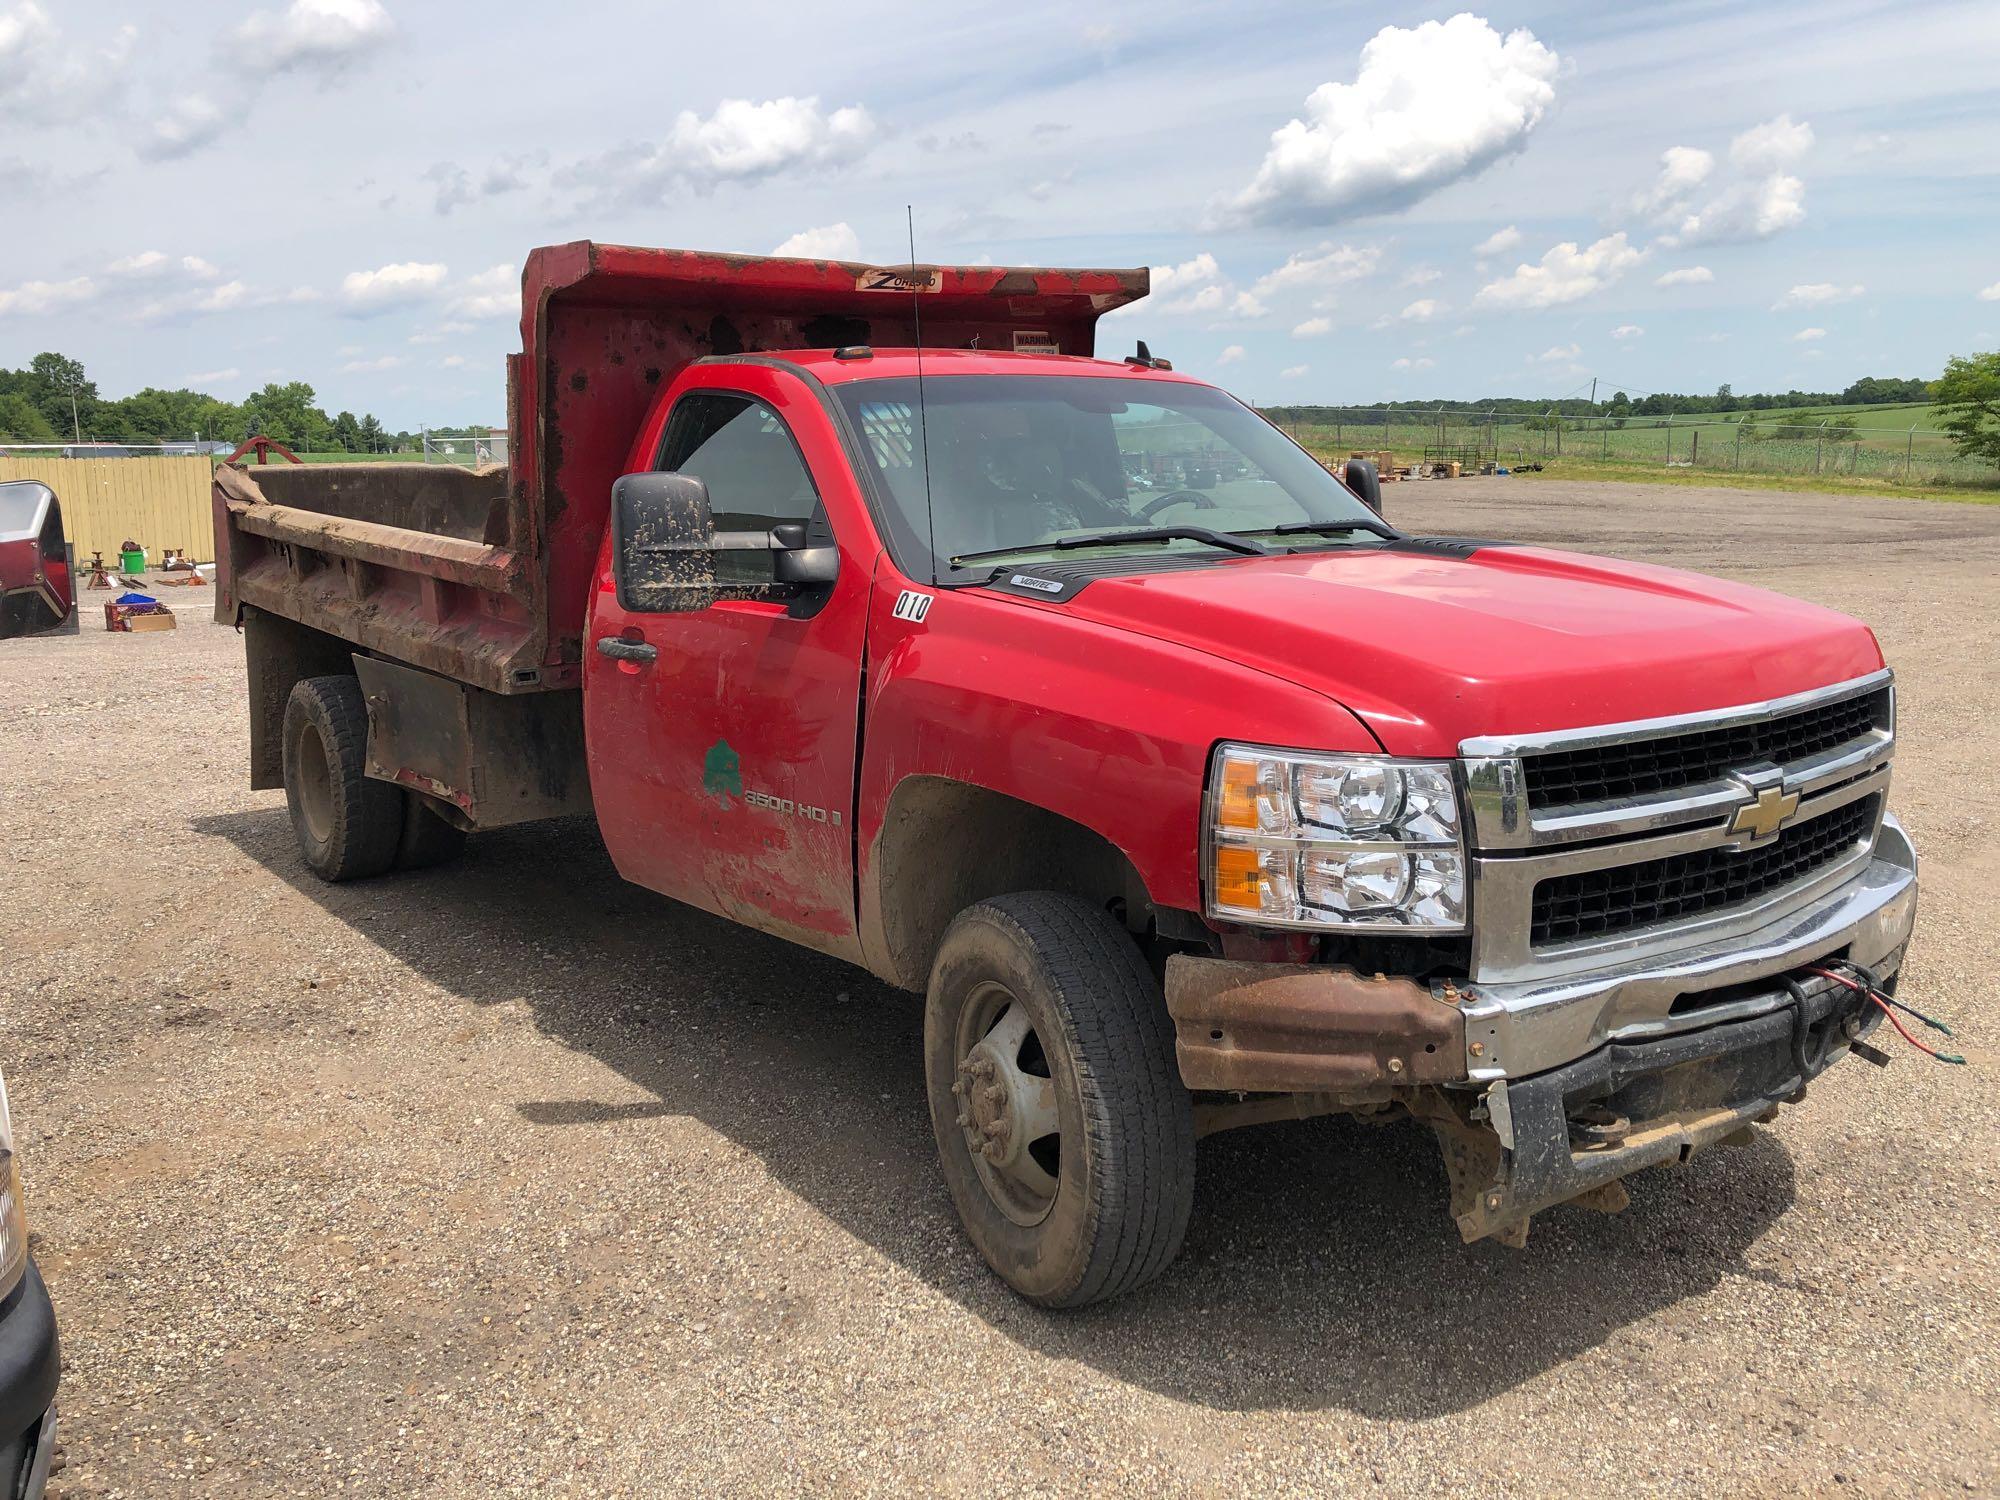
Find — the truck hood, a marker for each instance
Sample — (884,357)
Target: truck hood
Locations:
(1429,649)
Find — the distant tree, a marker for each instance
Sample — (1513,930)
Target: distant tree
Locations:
(62,392)
(346,432)
(369,433)
(22,420)
(1620,405)
(286,412)
(1968,393)
(1725,399)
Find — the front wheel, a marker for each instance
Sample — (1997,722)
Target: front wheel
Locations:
(1066,1135)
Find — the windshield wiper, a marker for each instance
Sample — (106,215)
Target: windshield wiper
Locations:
(1324,528)
(1228,541)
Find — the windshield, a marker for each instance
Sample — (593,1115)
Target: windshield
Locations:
(1020,462)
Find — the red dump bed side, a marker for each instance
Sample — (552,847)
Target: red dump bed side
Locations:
(605,328)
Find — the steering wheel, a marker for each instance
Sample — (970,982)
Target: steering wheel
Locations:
(1174,497)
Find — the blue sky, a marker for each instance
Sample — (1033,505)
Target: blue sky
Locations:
(1342,204)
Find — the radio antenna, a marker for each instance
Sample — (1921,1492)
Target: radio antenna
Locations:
(923,422)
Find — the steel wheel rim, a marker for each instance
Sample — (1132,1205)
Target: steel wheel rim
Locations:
(315,778)
(1004,1093)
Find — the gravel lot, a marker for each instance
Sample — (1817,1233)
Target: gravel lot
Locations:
(509,1178)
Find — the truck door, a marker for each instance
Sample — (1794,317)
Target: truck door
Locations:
(723,767)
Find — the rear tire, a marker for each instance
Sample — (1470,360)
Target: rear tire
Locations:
(427,839)
(348,824)
(1066,1135)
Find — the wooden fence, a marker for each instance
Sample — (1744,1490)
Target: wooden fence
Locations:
(156,502)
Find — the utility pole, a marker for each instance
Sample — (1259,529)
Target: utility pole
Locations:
(75,426)
(1593,393)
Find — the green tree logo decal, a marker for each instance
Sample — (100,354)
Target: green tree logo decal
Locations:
(722,772)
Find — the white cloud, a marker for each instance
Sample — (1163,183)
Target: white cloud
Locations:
(1235,354)
(1196,287)
(493,293)
(1319,270)
(1759,198)
(1817,294)
(1499,242)
(1564,274)
(231,294)
(1313,328)
(1429,106)
(453,362)
(1808,335)
(1749,211)
(37,297)
(1419,363)
(1683,169)
(457,188)
(1422,310)
(1559,353)
(1628,331)
(191,121)
(391,286)
(370,366)
(211,377)
(327,35)
(1294,372)
(1421,276)
(152,265)
(827,242)
(1686,276)
(741,142)
(1991,293)
(1771,146)
(45,81)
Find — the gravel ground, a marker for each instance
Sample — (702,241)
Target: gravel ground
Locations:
(507,1178)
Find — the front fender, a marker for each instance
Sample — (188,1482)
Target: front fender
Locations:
(1107,728)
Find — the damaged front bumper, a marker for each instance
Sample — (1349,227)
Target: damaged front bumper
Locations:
(1550,1092)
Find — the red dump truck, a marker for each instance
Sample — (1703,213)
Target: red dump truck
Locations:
(865,607)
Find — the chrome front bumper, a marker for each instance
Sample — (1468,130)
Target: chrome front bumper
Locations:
(1517,1029)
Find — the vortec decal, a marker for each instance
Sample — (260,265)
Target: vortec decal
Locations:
(912,606)
(1042,585)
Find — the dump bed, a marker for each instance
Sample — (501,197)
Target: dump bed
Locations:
(483,576)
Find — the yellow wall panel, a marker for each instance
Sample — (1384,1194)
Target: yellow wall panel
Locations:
(157,502)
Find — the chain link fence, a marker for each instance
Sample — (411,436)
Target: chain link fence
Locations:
(1742,442)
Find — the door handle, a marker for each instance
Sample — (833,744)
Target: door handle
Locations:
(619,649)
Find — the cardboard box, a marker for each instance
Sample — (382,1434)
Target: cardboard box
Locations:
(132,617)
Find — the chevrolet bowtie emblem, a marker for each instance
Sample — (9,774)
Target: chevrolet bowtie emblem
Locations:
(1766,813)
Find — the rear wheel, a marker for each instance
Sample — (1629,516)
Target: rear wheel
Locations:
(1066,1135)
(348,824)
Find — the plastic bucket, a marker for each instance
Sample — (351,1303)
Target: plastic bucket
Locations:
(133,561)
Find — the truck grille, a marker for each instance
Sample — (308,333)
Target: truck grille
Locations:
(1594,903)
(1648,768)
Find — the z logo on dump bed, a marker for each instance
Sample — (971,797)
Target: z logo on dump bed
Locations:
(912,606)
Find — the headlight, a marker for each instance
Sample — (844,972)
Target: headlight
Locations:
(13,1221)
(1350,841)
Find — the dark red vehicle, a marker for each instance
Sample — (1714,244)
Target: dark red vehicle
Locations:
(36,589)
(1073,695)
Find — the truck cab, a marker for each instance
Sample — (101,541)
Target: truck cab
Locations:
(1070,694)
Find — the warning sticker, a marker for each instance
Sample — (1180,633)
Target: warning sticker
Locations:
(904,279)
(1034,341)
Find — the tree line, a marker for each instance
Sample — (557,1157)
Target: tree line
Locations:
(54,400)
(1870,390)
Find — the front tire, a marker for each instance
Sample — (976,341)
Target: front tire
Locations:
(348,824)
(1066,1135)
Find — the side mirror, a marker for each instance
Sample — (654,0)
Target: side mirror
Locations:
(1359,475)
(793,562)
(662,543)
